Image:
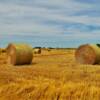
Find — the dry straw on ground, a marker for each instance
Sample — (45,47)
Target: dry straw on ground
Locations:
(88,54)
(54,76)
(19,54)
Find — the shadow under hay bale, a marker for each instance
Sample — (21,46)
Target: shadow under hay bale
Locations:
(19,54)
(88,54)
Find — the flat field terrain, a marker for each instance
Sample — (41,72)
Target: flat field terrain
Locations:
(53,75)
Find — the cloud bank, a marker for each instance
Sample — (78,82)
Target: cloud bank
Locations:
(74,19)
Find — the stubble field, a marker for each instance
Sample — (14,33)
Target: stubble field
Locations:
(53,75)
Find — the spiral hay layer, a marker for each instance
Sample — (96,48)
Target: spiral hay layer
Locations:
(88,54)
(19,54)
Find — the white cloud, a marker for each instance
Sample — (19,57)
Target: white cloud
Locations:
(18,18)
(76,34)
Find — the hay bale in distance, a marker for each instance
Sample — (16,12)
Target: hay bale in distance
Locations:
(0,50)
(48,50)
(19,54)
(3,50)
(37,51)
(88,54)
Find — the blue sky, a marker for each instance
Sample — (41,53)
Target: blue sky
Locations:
(65,23)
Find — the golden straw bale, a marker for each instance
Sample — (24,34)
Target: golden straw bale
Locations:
(88,54)
(37,51)
(3,50)
(19,54)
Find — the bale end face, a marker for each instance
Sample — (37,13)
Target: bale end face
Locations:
(85,54)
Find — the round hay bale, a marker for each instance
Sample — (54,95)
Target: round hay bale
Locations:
(3,50)
(0,50)
(88,54)
(37,51)
(48,49)
(19,54)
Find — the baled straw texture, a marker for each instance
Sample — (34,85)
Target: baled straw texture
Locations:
(88,54)
(20,54)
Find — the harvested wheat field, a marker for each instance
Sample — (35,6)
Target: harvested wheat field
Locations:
(53,75)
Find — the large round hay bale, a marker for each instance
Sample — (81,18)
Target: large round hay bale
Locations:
(19,54)
(88,54)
